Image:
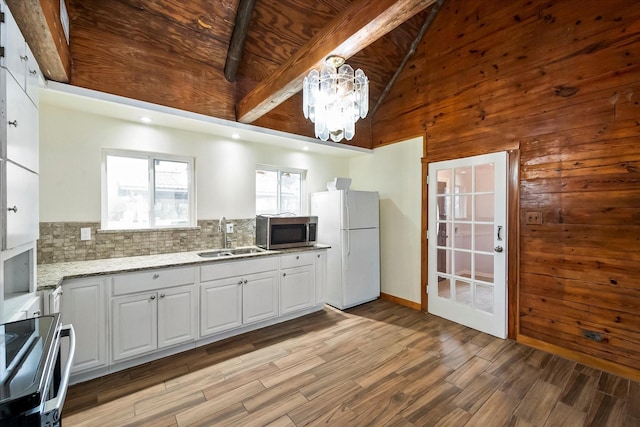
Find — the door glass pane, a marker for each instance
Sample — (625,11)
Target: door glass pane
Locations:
(462,263)
(444,287)
(462,207)
(484,298)
(444,181)
(463,177)
(484,207)
(462,235)
(444,261)
(171,193)
(463,292)
(443,208)
(483,237)
(484,178)
(127,192)
(484,267)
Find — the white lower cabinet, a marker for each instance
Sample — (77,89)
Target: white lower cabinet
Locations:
(83,304)
(220,305)
(138,313)
(145,322)
(321,275)
(177,316)
(297,282)
(237,293)
(134,325)
(259,297)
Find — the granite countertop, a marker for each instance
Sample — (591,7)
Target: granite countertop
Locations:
(50,276)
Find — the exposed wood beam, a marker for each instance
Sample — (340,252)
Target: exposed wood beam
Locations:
(238,38)
(359,25)
(39,21)
(412,49)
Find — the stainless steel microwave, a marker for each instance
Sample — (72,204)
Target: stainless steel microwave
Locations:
(280,232)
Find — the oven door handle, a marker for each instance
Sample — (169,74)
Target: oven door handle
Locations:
(54,406)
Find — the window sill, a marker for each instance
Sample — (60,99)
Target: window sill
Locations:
(146,230)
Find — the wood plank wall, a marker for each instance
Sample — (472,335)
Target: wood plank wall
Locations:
(560,82)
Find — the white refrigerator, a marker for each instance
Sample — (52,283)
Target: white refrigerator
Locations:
(348,221)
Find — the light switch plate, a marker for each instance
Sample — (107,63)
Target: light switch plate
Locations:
(85,233)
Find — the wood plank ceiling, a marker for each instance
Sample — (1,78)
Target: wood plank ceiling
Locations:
(173,53)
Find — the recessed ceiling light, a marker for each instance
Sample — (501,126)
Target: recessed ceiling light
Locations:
(235,136)
(305,148)
(145,119)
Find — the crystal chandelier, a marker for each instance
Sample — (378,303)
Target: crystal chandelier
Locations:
(335,98)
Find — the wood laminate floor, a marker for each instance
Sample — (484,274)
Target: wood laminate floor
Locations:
(379,364)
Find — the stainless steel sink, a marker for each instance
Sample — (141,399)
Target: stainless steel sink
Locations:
(215,254)
(218,253)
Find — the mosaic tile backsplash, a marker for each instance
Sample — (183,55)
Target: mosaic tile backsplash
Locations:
(60,241)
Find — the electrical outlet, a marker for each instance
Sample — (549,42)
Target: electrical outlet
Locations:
(85,233)
(534,217)
(229,228)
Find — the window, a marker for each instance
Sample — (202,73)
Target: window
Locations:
(279,190)
(146,190)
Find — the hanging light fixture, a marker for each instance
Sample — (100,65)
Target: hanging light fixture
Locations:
(335,98)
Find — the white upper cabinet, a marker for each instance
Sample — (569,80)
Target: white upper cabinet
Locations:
(15,49)
(21,124)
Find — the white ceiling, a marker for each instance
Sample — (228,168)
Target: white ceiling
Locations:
(100,103)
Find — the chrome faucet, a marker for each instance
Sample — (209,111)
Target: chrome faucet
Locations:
(222,226)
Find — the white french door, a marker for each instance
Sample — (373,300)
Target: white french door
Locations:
(468,242)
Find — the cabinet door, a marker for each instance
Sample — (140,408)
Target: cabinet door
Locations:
(259,297)
(296,289)
(22,126)
(15,54)
(176,315)
(220,305)
(34,76)
(134,325)
(83,304)
(321,275)
(22,200)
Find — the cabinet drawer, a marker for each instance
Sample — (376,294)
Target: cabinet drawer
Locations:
(297,259)
(152,279)
(221,270)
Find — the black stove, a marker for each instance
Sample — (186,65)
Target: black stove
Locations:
(32,386)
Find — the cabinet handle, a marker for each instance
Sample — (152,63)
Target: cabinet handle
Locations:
(155,276)
(153,297)
(14,209)
(284,274)
(36,313)
(13,123)
(240,282)
(318,255)
(33,72)
(161,295)
(245,281)
(24,58)
(297,256)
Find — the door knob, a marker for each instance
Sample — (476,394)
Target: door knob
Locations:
(498,249)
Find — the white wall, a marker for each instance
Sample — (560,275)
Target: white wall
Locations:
(70,157)
(395,172)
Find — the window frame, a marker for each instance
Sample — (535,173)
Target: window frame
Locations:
(151,157)
(279,171)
